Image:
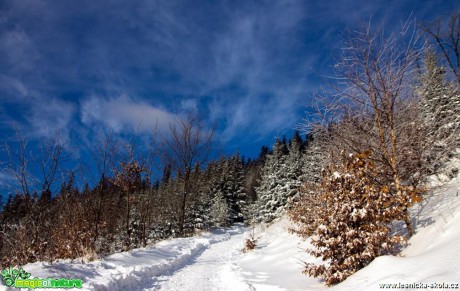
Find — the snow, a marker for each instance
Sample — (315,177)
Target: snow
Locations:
(209,271)
(276,263)
(147,268)
(215,261)
(433,253)
(210,261)
(336,175)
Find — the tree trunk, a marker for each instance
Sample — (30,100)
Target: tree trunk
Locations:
(128,230)
(182,215)
(184,201)
(408,221)
(100,193)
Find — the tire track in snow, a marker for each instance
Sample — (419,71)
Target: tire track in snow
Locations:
(208,271)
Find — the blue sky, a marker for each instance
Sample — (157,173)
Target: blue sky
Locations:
(248,67)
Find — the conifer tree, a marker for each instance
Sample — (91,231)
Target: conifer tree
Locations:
(440,113)
(274,188)
(234,188)
(313,162)
(305,208)
(294,166)
(220,210)
(214,189)
(197,216)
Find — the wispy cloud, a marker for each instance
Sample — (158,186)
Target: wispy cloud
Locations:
(257,115)
(38,117)
(14,86)
(248,65)
(18,50)
(124,114)
(7,181)
(50,116)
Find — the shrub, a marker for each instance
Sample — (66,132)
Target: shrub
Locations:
(353,222)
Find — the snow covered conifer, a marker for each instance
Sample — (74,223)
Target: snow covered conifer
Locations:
(440,108)
(234,188)
(304,208)
(198,210)
(294,166)
(220,210)
(274,187)
(313,162)
(294,160)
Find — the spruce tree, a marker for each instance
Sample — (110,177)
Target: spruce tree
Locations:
(234,189)
(294,166)
(440,110)
(274,188)
(220,211)
(219,208)
(313,163)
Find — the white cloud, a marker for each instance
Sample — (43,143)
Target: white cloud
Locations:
(256,62)
(124,114)
(189,105)
(49,116)
(258,53)
(177,54)
(256,44)
(15,86)
(18,50)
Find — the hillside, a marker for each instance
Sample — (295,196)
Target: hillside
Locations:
(215,261)
(433,253)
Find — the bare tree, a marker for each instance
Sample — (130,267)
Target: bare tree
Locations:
(374,91)
(36,172)
(18,162)
(104,154)
(147,211)
(52,155)
(446,37)
(129,181)
(189,143)
(35,169)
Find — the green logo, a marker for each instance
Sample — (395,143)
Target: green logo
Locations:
(10,275)
(21,279)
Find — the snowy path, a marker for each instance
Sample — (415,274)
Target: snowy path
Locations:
(208,271)
(201,262)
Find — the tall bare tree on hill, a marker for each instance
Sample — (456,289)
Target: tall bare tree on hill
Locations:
(374,103)
(188,144)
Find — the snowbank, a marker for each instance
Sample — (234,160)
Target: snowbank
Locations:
(133,270)
(277,261)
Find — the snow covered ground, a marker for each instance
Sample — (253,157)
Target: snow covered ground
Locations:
(210,261)
(176,264)
(214,260)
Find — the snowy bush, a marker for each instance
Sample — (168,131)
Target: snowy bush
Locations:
(353,221)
